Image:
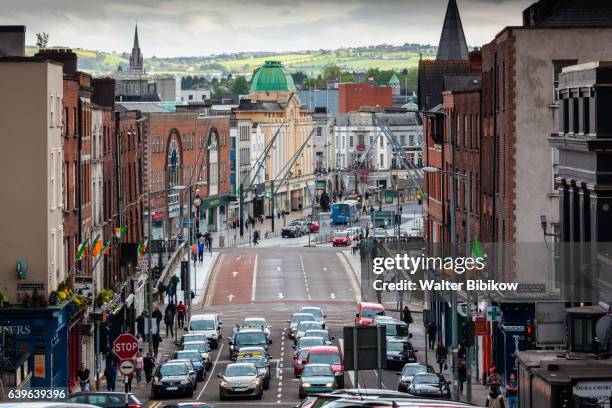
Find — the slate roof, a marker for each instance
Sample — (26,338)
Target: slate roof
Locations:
(431,80)
(569,13)
(452,44)
(456,83)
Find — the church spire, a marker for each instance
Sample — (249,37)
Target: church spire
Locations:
(452,41)
(136,56)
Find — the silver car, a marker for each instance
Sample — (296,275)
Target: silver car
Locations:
(306,325)
(317,312)
(296,318)
(240,380)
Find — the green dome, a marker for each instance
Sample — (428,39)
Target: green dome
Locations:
(272,77)
(394,80)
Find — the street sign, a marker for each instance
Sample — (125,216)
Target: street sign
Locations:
(494,314)
(480,326)
(125,346)
(143,262)
(126,367)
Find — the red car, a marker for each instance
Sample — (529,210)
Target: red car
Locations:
(367,312)
(314,227)
(341,238)
(298,361)
(327,355)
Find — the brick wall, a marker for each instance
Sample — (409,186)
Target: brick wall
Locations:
(353,96)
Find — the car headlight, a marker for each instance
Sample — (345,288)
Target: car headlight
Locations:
(224,384)
(305,385)
(231,346)
(185,381)
(329,385)
(255,383)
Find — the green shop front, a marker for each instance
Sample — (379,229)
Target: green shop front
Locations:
(213,212)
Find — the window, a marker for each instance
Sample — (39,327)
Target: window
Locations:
(555,167)
(586,118)
(466,130)
(351,141)
(382,141)
(403,140)
(74,121)
(411,140)
(575,115)
(558,66)
(245,133)
(190,97)
(382,160)
(319,131)
(66,121)
(51,111)
(52,174)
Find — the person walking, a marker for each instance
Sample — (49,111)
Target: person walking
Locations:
(83,375)
(354,245)
(110,373)
(210,243)
(431,334)
(512,391)
(255,237)
(407,317)
(140,342)
(200,253)
(149,365)
(161,291)
(127,381)
(462,373)
(169,321)
(140,323)
(156,340)
(174,281)
(441,354)
(138,366)
(181,309)
(157,315)
(194,252)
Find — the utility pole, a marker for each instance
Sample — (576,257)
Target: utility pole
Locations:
(187,294)
(468,253)
(150,278)
(240,208)
(272,203)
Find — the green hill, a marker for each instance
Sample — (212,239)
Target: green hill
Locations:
(384,57)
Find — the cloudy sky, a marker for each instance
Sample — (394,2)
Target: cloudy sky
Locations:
(169,28)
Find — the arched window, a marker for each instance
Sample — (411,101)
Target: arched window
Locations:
(173,164)
(213,163)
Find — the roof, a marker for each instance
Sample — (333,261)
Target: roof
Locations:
(246,105)
(324,349)
(371,305)
(394,79)
(456,83)
(452,44)
(272,76)
(400,119)
(569,13)
(145,107)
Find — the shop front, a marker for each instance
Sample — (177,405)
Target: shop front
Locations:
(213,212)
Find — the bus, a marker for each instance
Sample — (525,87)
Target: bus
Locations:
(344,212)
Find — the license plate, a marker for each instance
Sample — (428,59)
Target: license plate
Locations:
(172,388)
(240,389)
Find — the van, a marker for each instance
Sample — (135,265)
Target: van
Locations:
(367,312)
(209,324)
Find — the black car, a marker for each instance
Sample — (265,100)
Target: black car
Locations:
(291,231)
(400,352)
(430,385)
(408,373)
(104,399)
(171,378)
(247,338)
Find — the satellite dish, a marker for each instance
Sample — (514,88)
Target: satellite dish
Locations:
(603,329)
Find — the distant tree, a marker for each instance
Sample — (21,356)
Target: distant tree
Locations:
(331,72)
(299,77)
(347,76)
(218,92)
(239,86)
(42,39)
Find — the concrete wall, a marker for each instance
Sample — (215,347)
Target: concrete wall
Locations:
(32,209)
(536,116)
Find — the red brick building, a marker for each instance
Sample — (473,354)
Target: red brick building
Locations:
(352,96)
(188,149)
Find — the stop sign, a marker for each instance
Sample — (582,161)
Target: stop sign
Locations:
(125,346)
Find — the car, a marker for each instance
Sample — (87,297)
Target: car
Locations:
(299,361)
(202,348)
(341,238)
(254,323)
(193,374)
(306,325)
(307,342)
(171,378)
(395,329)
(328,355)
(354,402)
(104,399)
(197,336)
(301,224)
(367,312)
(408,373)
(257,356)
(247,338)
(196,359)
(324,334)
(317,312)
(430,385)
(313,226)
(291,231)
(187,404)
(400,352)
(210,325)
(317,378)
(296,318)
(380,234)
(240,380)
(356,395)
(354,231)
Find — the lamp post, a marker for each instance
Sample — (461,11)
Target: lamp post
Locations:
(468,249)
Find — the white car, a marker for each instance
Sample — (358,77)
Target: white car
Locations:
(254,323)
(302,327)
(209,324)
(317,312)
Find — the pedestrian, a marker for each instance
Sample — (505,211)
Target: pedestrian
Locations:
(278,214)
(127,381)
(255,237)
(354,245)
(200,253)
(181,309)
(140,342)
(210,243)
(407,317)
(174,281)
(149,365)
(170,289)
(110,373)
(462,372)
(512,391)
(462,351)
(169,322)
(157,315)
(140,322)
(194,253)
(441,353)
(156,340)
(431,334)
(83,375)
(161,290)
(138,366)
(495,400)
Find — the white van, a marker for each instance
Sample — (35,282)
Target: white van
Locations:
(209,324)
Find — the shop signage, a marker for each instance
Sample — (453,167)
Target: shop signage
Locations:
(157,216)
(125,346)
(83,285)
(389,197)
(600,390)
(531,288)
(321,184)
(39,365)
(143,262)
(30,286)
(480,326)
(494,314)
(19,329)
(174,210)
(126,367)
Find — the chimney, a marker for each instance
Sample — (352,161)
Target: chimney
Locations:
(104,92)
(12,41)
(64,55)
(475,57)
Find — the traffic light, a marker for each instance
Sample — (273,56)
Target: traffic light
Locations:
(530,335)
(468,333)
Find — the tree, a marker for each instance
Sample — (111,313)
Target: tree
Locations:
(42,39)
(331,72)
(239,86)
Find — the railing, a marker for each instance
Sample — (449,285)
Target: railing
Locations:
(171,265)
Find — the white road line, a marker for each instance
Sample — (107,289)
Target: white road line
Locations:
(254,284)
(211,371)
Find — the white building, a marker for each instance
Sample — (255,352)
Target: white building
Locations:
(194,95)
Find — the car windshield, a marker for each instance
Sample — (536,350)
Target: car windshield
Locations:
(426,379)
(173,369)
(303,326)
(324,358)
(240,370)
(414,369)
(317,333)
(343,208)
(259,362)
(396,329)
(396,346)
(301,317)
(313,311)
(311,371)
(195,346)
(304,354)
(309,342)
(193,337)
(245,339)
(188,355)
(203,325)
(372,313)
(340,234)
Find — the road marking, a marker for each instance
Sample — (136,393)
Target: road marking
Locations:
(332,295)
(230,297)
(280,295)
(235,273)
(212,369)
(213,281)
(349,271)
(254,284)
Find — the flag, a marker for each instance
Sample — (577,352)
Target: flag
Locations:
(477,251)
(119,232)
(96,246)
(106,249)
(142,246)
(81,249)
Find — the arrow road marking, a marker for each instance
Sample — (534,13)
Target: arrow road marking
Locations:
(278,268)
(324,269)
(235,273)
(332,295)
(230,297)
(280,295)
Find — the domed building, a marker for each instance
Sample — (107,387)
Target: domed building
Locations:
(273,106)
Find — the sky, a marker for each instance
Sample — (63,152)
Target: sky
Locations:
(172,28)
